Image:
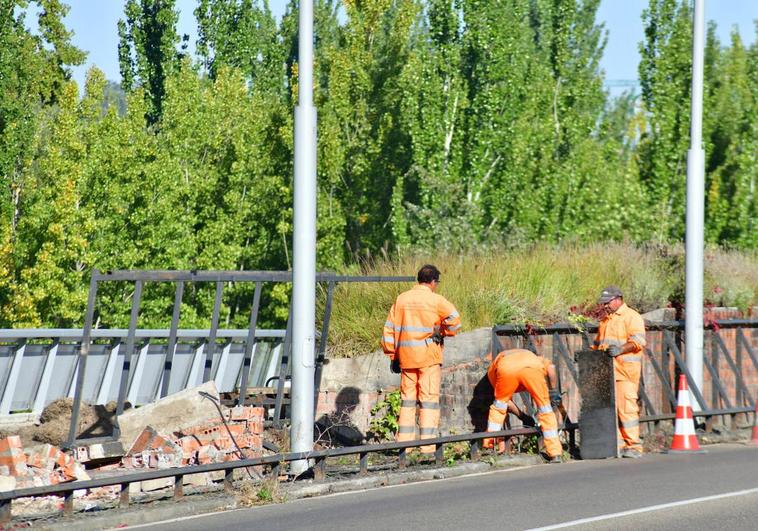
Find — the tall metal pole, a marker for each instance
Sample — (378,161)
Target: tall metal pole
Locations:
(695,208)
(304,248)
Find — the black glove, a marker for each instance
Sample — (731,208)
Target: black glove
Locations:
(555,397)
(527,420)
(438,338)
(613,351)
(395,365)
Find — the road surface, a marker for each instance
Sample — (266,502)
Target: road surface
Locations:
(714,490)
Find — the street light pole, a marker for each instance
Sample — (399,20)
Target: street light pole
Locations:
(304,248)
(695,208)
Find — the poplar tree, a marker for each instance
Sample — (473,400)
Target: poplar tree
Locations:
(147,49)
(665,73)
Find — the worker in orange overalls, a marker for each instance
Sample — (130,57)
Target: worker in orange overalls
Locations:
(413,339)
(621,334)
(518,370)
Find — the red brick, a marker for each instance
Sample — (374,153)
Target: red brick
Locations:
(188,445)
(207,455)
(15,459)
(246,413)
(142,442)
(255,426)
(12,441)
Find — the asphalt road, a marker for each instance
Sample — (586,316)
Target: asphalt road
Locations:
(715,490)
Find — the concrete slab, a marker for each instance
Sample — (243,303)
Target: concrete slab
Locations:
(172,413)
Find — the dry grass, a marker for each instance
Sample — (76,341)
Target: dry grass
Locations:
(539,285)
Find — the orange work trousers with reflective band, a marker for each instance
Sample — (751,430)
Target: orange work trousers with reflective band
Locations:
(531,379)
(419,386)
(627,407)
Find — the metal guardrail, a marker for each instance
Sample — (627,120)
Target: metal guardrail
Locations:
(38,366)
(179,279)
(276,462)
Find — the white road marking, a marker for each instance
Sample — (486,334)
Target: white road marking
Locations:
(648,509)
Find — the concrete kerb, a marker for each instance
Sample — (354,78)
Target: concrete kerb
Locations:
(162,507)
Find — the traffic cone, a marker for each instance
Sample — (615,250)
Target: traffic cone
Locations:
(684,426)
(754,440)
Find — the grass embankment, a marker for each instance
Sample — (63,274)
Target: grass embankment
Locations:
(540,285)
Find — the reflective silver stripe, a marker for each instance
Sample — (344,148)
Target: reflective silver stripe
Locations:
(427,431)
(429,405)
(547,434)
(406,429)
(631,359)
(494,426)
(500,405)
(388,339)
(426,329)
(545,409)
(408,403)
(413,343)
(389,325)
(639,338)
(452,316)
(454,328)
(610,342)
(630,423)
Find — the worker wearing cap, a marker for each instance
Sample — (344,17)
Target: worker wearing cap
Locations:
(518,370)
(413,339)
(621,334)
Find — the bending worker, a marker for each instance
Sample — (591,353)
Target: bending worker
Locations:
(413,338)
(621,334)
(518,370)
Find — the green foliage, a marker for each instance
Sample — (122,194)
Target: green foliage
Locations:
(385,412)
(449,130)
(147,49)
(456,452)
(541,284)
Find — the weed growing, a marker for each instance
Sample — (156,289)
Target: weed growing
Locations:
(540,285)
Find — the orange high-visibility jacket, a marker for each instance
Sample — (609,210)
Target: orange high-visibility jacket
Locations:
(622,326)
(411,323)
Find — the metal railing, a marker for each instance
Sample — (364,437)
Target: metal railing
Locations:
(179,279)
(275,464)
(38,366)
(561,356)
(663,362)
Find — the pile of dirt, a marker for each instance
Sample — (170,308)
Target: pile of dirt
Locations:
(55,421)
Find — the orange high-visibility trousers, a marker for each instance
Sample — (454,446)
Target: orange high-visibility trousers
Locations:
(419,386)
(627,407)
(510,378)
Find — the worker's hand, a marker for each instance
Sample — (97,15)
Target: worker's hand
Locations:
(395,365)
(555,397)
(527,420)
(437,336)
(613,351)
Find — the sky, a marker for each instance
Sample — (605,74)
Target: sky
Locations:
(94,26)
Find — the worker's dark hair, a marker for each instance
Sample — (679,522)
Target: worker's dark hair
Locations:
(427,273)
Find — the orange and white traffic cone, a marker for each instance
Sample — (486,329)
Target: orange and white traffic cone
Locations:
(685,439)
(754,440)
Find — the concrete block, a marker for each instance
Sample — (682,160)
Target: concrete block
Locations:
(170,414)
(198,480)
(106,450)
(7,483)
(156,484)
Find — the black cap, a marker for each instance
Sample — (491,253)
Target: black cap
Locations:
(608,294)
